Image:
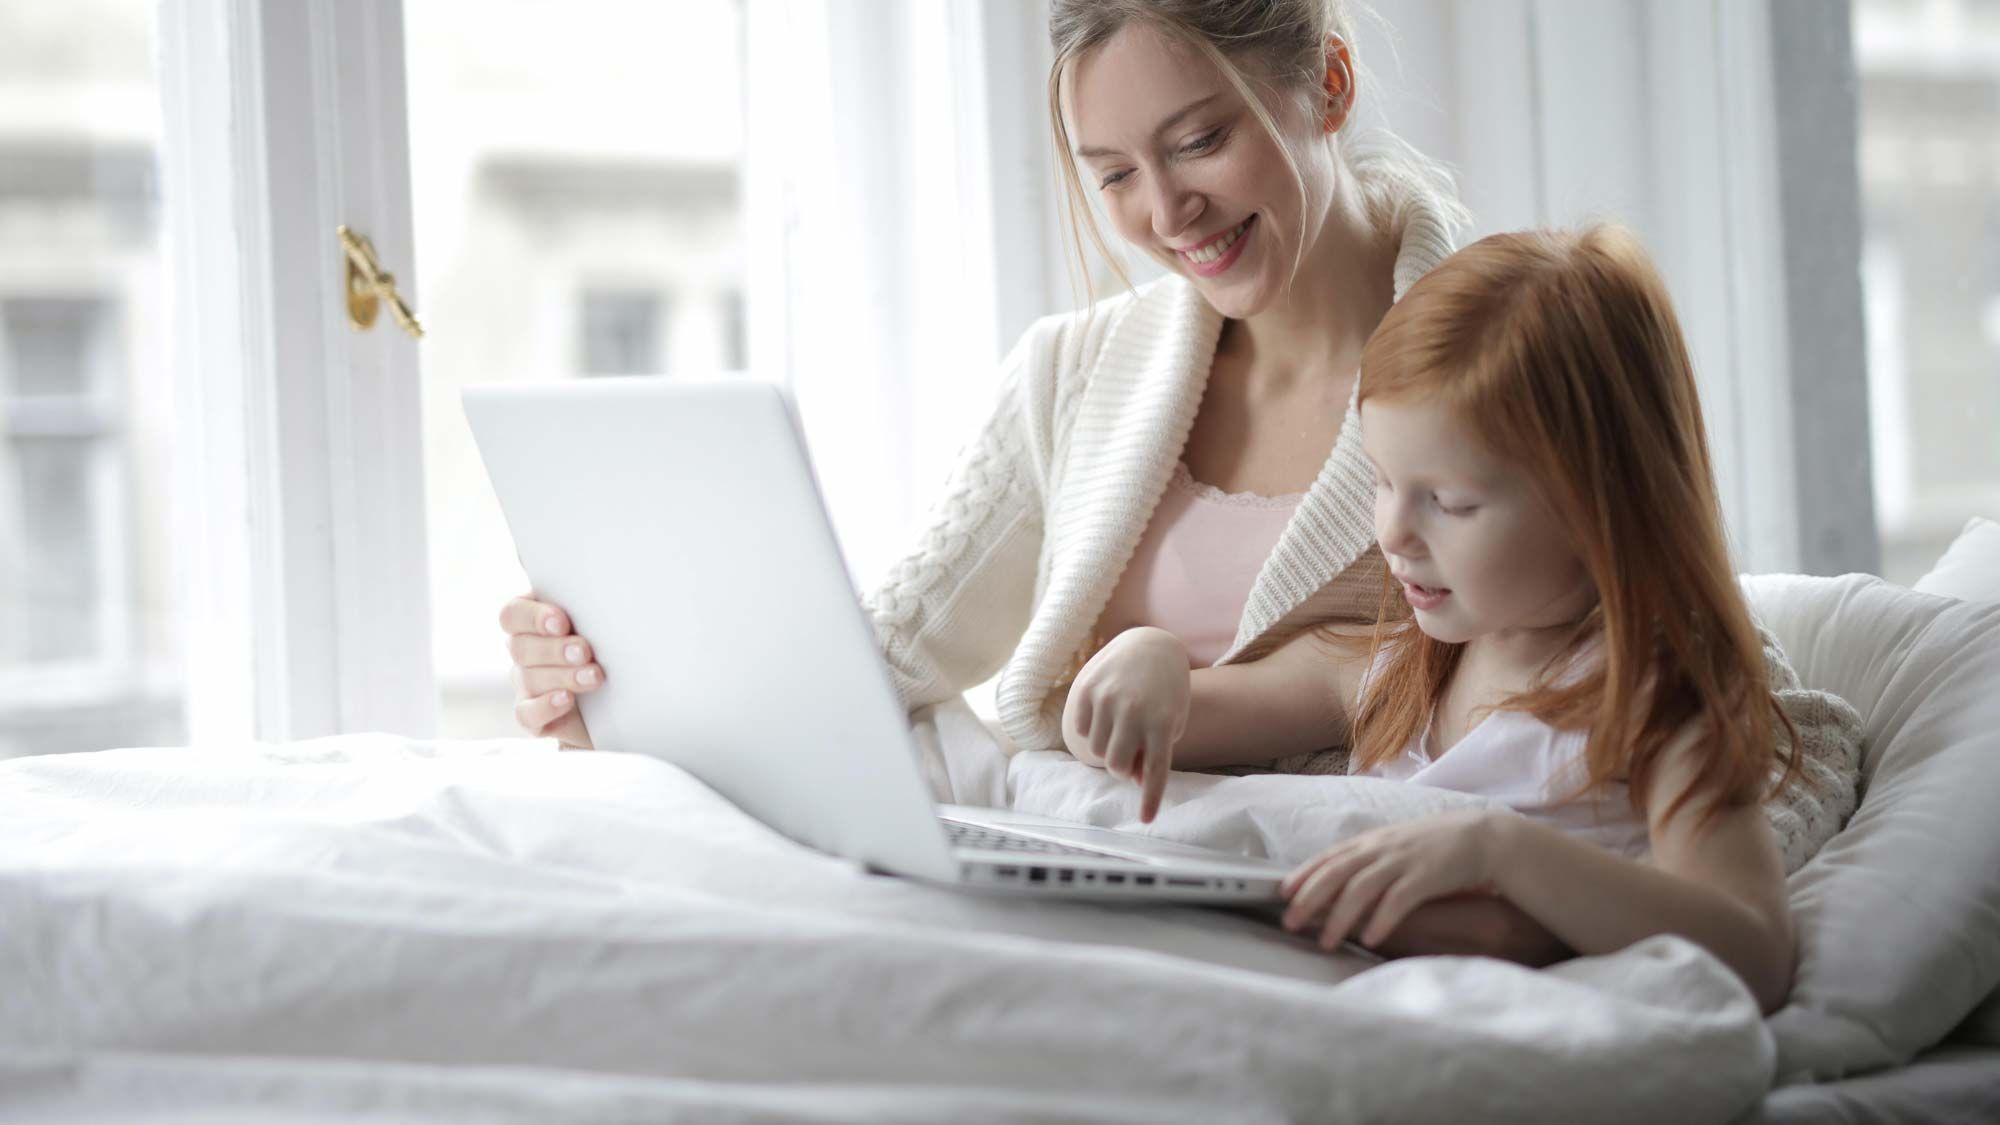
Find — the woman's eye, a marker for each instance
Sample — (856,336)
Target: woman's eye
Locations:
(1112,179)
(1202,143)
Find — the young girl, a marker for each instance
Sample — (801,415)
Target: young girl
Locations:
(1563,631)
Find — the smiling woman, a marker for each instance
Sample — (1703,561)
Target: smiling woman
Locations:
(1217,139)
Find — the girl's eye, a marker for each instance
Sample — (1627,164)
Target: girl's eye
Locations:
(1112,179)
(1447,509)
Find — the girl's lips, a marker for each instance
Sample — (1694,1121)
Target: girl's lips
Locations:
(1424,597)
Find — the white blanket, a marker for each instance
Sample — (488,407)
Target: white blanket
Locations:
(370,929)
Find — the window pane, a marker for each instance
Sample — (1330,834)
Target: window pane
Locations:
(51,345)
(89,644)
(58,610)
(575,172)
(621,333)
(1930,180)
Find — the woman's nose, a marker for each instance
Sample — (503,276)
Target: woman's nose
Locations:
(1174,208)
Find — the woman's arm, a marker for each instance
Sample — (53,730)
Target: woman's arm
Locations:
(949,613)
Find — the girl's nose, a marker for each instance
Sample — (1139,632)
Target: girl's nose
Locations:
(1394,532)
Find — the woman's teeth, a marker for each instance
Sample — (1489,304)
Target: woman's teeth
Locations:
(1216,249)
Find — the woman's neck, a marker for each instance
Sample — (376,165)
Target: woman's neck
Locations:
(1343,288)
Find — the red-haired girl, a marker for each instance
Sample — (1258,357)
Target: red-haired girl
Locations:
(1562,631)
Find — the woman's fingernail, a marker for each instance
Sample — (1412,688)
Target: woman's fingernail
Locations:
(587,676)
(560,699)
(573,654)
(550,626)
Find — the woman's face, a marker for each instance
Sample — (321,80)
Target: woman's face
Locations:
(1188,175)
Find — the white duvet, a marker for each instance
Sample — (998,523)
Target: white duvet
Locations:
(370,929)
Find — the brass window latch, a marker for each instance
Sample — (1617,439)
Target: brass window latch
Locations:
(368,285)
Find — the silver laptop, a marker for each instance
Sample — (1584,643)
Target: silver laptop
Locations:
(681,527)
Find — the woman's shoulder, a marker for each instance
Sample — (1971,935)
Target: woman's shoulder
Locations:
(1069,343)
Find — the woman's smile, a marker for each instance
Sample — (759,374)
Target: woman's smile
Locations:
(1217,254)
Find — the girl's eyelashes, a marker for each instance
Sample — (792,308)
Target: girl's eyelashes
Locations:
(1452,510)
(1112,179)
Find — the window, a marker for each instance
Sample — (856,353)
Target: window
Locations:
(577,213)
(89,646)
(621,333)
(1930,180)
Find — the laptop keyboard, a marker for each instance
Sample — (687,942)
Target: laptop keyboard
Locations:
(987,839)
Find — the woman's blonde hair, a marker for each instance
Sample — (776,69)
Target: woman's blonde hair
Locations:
(1278,46)
(1562,352)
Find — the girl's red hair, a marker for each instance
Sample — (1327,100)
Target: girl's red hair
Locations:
(1562,351)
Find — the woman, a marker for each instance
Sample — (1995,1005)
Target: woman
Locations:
(1185,455)
(1283,252)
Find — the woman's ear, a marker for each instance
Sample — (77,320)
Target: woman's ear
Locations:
(1339,85)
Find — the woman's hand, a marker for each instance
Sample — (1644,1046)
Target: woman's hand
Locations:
(551,665)
(1377,879)
(1128,707)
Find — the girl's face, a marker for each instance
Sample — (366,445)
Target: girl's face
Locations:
(1476,547)
(1188,175)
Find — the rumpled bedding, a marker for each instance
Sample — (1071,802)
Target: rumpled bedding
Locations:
(370,929)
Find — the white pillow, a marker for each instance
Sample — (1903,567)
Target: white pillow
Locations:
(1899,915)
(1970,567)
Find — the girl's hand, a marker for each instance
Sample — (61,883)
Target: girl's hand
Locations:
(1376,879)
(1128,707)
(551,665)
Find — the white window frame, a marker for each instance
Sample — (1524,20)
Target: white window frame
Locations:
(300,495)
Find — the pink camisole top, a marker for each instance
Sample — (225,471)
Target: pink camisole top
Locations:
(1192,570)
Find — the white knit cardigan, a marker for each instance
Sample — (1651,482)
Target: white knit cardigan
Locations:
(1049,503)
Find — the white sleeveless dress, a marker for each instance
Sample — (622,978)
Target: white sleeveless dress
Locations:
(1530,767)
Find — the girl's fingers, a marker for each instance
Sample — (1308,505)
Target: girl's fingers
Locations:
(1317,892)
(1289,885)
(1357,900)
(1120,749)
(1158,764)
(1102,727)
(1402,898)
(1079,707)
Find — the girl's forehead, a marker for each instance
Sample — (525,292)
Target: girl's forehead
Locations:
(1425,435)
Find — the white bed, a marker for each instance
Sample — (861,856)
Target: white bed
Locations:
(374,929)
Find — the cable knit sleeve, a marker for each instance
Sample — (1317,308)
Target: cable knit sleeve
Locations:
(950,613)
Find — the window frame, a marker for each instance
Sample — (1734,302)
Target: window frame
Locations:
(300,502)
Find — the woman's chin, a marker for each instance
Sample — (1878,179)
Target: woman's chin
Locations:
(1234,300)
